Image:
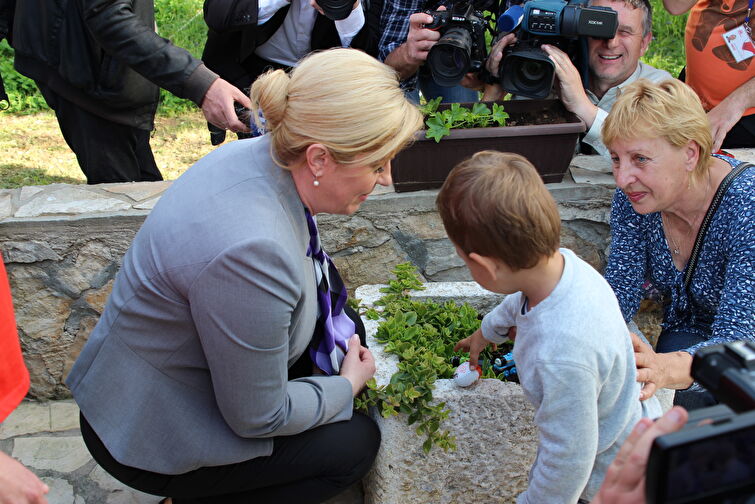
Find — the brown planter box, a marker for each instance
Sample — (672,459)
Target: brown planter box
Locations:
(550,147)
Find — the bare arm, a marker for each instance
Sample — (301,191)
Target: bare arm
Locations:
(18,485)
(677,7)
(725,115)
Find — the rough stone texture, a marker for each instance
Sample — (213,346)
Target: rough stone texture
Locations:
(489,419)
(63,454)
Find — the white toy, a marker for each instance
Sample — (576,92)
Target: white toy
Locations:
(464,377)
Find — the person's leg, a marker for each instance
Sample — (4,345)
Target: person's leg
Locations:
(673,341)
(106,151)
(742,134)
(305,468)
(455,94)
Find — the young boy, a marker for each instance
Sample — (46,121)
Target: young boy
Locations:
(573,352)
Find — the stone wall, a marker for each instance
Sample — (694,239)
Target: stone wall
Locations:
(63,244)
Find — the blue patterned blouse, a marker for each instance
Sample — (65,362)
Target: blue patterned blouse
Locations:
(720,304)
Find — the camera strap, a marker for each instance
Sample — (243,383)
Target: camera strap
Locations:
(722,188)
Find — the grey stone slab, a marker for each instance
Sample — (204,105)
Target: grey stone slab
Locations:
(61,491)
(64,415)
(62,454)
(29,252)
(29,192)
(29,417)
(137,191)
(591,163)
(6,205)
(147,205)
(582,176)
(70,200)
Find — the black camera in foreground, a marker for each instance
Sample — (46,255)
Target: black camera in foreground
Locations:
(461,47)
(526,69)
(712,459)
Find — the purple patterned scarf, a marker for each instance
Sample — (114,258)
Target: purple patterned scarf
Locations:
(333,329)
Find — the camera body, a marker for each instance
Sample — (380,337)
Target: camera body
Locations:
(526,69)
(461,47)
(712,461)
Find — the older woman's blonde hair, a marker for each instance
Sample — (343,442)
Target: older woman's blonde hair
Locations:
(670,110)
(341,98)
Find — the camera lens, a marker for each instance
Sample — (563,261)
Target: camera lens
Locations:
(527,72)
(450,57)
(336,9)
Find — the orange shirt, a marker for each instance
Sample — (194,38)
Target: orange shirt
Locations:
(14,377)
(711,69)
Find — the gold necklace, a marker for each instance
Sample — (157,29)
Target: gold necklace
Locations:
(673,245)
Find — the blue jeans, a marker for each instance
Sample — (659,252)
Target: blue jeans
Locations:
(673,341)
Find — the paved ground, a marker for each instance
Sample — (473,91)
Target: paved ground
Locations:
(45,437)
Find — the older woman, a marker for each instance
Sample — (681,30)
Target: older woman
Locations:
(224,365)
(660,144)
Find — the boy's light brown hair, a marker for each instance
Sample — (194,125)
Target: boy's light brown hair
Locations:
(496,205)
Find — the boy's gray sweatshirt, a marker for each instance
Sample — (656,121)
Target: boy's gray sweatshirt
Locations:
(576,366)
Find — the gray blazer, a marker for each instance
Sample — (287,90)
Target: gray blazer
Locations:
(215,299)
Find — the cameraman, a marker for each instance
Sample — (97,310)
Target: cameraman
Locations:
(625,479)
(405,44)
(612,64)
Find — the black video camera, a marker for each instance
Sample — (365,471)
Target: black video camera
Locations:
(526,69)
(712,459)
(461,47)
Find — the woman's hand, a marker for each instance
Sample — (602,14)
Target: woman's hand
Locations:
(660,370)
(18,485)
(474,344)
(358,365)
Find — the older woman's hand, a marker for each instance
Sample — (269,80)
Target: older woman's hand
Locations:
(358,365)
(660,370)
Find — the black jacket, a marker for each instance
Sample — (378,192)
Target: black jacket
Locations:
(234,35)
(105,56)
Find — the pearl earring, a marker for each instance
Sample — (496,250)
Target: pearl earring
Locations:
(316,183)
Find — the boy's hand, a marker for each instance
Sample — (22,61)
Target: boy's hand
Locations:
(474,344)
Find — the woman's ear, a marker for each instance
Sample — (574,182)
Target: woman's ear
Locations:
(691,153)
(318,159)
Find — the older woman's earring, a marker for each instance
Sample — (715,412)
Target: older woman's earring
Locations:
(316,183)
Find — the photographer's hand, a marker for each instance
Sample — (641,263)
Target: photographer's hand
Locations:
(660,370)
(409,56)
(474,344)
(625,478)
(494,92)
(572,92)
(217,106)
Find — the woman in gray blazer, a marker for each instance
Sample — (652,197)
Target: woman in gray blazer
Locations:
(224,365)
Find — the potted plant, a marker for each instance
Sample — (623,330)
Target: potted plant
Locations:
(543,131)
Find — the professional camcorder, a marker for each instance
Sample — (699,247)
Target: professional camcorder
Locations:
(461,47)
(712,459)
(526,69)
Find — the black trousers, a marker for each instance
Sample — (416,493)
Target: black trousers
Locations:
(306,468)
(106,151)
(742,134)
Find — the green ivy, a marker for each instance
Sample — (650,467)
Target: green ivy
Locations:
(422,334)
(440,122)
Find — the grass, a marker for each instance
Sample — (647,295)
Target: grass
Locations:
(34,152)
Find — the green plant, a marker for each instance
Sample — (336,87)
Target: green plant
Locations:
(422,334)
(440,122)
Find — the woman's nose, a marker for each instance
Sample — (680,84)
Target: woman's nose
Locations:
(386,178)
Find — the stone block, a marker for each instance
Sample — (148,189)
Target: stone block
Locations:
(488,419)
(27,418)
(62,454)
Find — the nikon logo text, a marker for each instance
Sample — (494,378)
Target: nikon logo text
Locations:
(594,21)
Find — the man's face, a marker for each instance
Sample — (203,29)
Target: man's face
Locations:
(613,61)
